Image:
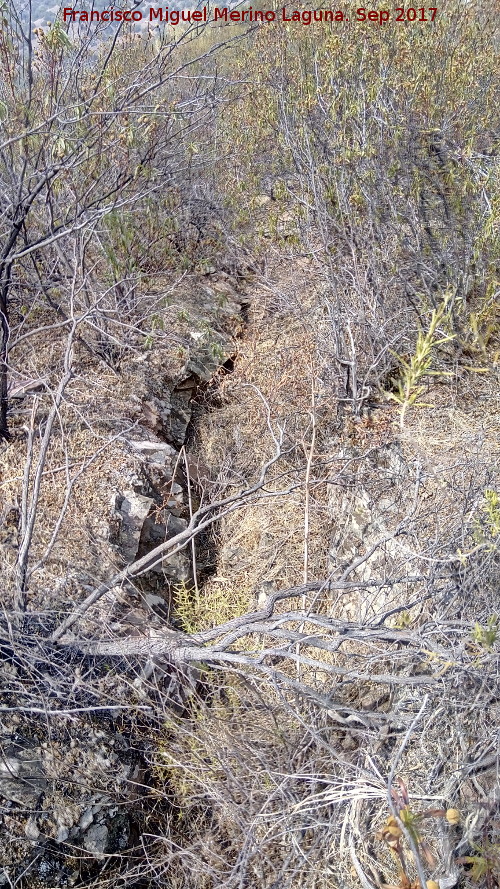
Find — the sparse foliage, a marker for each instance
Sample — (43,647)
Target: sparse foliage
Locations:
(316,705)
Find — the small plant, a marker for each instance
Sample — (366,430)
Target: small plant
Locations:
(408,824)
(55,38)
(482,334)
(487,526)
(485,864)
(409,386)
(492,512)
(157,323)
(199,611)
(402,621)
(486,636)
(217,351)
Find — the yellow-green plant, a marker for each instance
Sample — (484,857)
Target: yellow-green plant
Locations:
(486,636)
(156,323)
(413,371)
(487,526)
(205,609)
(484,864)
(491,510)
(408,825)
(402,621)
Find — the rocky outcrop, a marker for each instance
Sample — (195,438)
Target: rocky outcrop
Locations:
(22,777)
(151,504)
(148,510)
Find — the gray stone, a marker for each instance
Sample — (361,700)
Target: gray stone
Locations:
(62,834)
(22,778)
(262,200)
(31,830)
(133,509)
(179,415)
(154,451)
(95,840)
(231,556)
(86,818)
(203,365)
(177,566)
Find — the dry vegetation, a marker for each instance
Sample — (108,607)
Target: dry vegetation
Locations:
(317,336)
(413,501)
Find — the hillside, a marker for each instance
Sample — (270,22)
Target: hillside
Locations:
(249,427)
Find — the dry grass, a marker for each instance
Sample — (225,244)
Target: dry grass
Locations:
(432,478)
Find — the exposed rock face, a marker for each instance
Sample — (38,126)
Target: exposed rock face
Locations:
(148,510)
(176,567)
(131,510)
(150,507)
(143,526)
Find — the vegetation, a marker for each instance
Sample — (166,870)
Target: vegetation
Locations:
(249,289)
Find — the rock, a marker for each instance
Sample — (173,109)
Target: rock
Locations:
(95,840)
(86,818)
(373,699)
(154,451)
(231,556)
(66,814)
(158,465)
(119,833)
(177,566)
(62,834)
(31,830)
(175,424)
(167,406)
(360,515)
(22,778)
(133,509)
(153,601)
(201,366)
(154,413)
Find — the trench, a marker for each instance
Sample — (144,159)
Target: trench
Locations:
(191,398)
(206,400)
(203,398)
